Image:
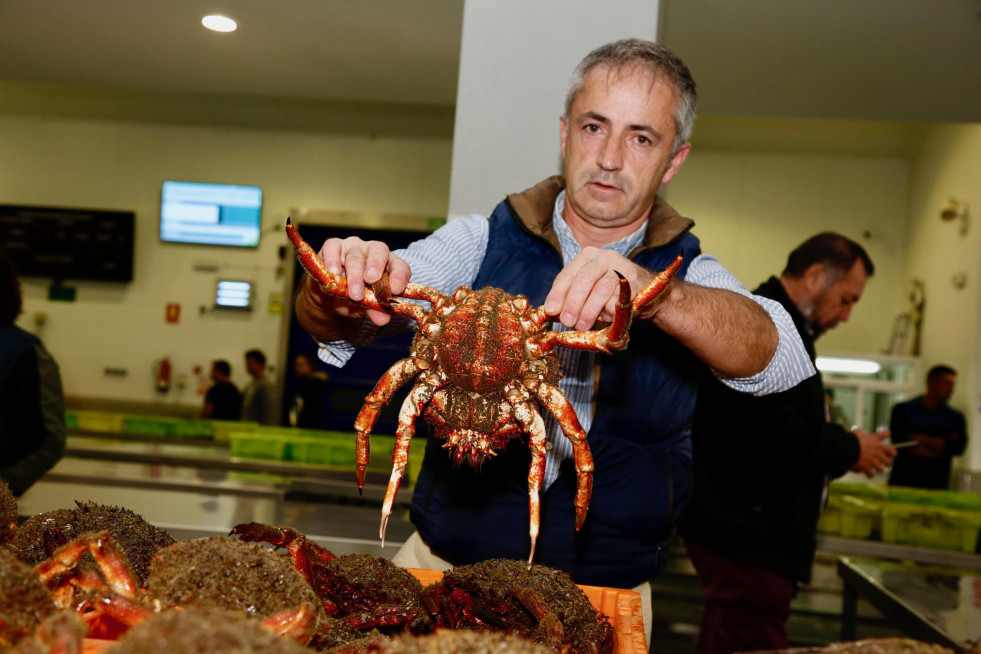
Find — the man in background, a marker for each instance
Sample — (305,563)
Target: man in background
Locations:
(32,408)
(761,464)
(939,430)
(223,401)
(307,409)
(258,399)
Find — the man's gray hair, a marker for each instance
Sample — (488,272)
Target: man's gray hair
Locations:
(657,60)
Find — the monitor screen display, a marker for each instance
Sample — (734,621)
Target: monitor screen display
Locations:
(210,214)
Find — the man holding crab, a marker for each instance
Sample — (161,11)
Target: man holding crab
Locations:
(625,131)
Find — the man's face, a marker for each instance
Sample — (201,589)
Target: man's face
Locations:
(834,303)
(941,387)
(616,143)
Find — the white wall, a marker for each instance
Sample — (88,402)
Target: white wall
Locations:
(120,165)
(752,208)
(947,165)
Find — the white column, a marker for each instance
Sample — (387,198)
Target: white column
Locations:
(516,59)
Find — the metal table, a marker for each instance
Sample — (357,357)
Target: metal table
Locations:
(931,603)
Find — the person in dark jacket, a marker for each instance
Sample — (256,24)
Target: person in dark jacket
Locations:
(761,464)
(223,400)
(310,384)
(32,409)
(939,429)
(562,244)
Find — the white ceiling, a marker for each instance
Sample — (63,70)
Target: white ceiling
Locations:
(895,60)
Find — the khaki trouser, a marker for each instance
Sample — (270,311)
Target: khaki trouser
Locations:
(416,554)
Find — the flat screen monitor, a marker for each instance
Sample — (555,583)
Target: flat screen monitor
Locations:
(210,214)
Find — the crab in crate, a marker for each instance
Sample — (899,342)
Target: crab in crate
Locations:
(482,363)
(536,602)
(213,573)
(363,591)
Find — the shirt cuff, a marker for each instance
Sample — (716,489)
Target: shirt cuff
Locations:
(790,364)
(338,353)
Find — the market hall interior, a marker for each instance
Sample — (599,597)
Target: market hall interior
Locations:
(773,162)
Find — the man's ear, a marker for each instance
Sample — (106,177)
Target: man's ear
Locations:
(676,160)
(815,278)
(563,134)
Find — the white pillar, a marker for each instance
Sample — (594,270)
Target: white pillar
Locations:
(516,59)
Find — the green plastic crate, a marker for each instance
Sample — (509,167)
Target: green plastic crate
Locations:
(148,426)
(251,445)
(932,527)
(222,429)
(859,489)
(99,421)
(194,429)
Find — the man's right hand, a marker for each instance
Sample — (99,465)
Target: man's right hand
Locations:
(875,454)
(362,263)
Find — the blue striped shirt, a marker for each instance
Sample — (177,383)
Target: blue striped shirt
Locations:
(451,257)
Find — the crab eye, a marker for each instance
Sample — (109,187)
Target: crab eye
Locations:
(461,293)
(520,303)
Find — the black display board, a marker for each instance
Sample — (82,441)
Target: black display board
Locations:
(60,244)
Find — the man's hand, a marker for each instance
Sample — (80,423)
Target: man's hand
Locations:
(875,455)
(362,263)
(587,288)
(931,447)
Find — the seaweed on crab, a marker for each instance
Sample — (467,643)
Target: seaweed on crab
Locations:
(24,601)
(447,641)
(364,591)
(213,573)
(202,631)
(536,602)
(8,512)
(39,536)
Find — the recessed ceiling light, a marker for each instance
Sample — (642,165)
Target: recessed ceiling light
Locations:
(219,23)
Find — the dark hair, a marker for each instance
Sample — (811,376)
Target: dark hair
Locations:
(11,301)
(257,355)
(223,367)
(657,60)
(834,252)
(939,371)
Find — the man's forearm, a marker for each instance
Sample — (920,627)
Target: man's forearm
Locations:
(729,332)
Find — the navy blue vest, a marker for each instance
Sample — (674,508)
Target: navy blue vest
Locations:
(640,441)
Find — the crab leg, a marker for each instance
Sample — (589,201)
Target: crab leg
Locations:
(110,559)
(531,420)
(379,296)
(561,408)
(418,397)
(393,379)
(609,339)
(654,288)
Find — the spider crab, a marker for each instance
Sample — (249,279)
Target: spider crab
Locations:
(482,362)
(363,591)
(220,573)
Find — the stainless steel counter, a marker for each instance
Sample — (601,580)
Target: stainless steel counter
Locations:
(197,488)
(931,603)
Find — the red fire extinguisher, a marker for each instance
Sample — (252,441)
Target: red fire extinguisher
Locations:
(161,374)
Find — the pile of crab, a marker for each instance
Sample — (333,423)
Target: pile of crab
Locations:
(103,578)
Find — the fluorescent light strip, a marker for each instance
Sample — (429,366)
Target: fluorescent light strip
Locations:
(855,366)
